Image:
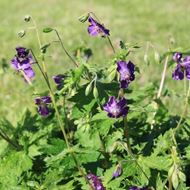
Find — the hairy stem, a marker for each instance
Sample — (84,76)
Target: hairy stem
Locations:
(9,141)
(184,111)
(61,124)
(109,40)
(163,77)
(64,49)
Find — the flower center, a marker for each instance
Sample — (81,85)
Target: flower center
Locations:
(115,110)
(126,75)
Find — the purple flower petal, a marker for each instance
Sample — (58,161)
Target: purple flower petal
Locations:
(42,103)
(58,79)
(187,73)
(117,172)
(126,71)
(116,108)
(96,182)
(186,62)
(29,72)
(15,63)
(46,99)
(178,73)
(96,28)
(43,110)
(177,57)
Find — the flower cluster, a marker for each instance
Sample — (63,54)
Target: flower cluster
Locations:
(42,103)
(23,61)
(95,28)
(96,182)
(183,67)
(119,108)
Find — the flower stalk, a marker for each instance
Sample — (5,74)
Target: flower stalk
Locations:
(64,49)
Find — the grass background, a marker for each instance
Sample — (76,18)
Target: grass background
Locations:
(132,21)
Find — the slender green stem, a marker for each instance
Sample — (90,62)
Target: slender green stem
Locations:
(163,77)
(61,124)
(128,146)
(126,135)
(64,49)
(109,40)
(40,45)
(7,139)
(103,150)
(44,74)
(184,111)
(170,184)
(133,158)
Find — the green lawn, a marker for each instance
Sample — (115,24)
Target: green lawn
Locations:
(131,20)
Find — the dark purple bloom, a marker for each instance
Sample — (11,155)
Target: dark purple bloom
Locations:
(22,61)
(178,73)
(96,28)
(186,62)
(177,57)
(182,69)
(126,71)
(58,79)
(116,108)
(138,188)
(117,172)
(42,103)
(96,182)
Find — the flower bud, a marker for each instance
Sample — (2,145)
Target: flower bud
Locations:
(21,33)
(27,18)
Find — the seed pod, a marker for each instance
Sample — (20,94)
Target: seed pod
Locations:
(27,18)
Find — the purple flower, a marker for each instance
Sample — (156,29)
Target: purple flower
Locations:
(116,108)
(178,73)
(186,62)
(182,69)
(117,172)
(177,57)
(58,79)
(42,103)
(95,28)
(96,182)
(126,71)
(22,61)
(138,188)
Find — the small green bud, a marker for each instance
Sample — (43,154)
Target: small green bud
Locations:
(146,59)
(88,89)
(156,56)
(95,92)
(84,17)
(21,33)
(27,18)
